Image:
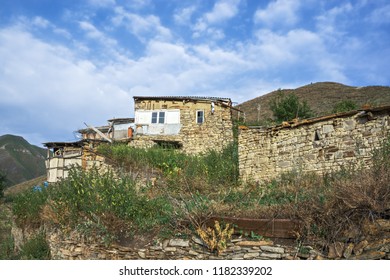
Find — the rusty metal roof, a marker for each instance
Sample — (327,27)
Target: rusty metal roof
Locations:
(64,144)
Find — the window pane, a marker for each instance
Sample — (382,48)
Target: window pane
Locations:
(154,117)
(161,118)
(199,116)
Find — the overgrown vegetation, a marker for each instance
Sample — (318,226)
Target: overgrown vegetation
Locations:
(288,107)
(344,106)
(216,238)
(185,191)
(2,184)
(35,248)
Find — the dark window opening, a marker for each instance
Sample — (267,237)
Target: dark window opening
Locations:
(317,136)
(199,116)
(172,145)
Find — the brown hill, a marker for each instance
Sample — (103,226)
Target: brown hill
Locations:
(321,98)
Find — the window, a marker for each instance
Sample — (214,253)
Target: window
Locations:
(158,117)
(161,117)
(154,117)
(199,116)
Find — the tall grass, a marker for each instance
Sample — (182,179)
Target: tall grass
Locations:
(212,169)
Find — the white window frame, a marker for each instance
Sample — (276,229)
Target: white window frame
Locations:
(158,117)
(197,116)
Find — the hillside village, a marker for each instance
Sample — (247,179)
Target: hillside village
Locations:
(196,125)
(294,180)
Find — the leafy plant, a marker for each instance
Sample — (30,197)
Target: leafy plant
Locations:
(216,238)
(2,184)
(344,106)
(105,205)
(36,248)
(288,107)
(27,207)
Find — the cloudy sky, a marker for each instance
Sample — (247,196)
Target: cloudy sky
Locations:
(63,63)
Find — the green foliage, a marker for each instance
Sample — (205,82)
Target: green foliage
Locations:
(7,248)
(106,203)
(2,184)
(27,207)
(288,107)
(216,168)
(344,106)
(36,248)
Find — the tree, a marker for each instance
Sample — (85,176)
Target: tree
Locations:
(288,107)
(2,183)
(344,106)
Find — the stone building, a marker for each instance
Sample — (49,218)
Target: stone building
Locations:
(61,157)
(320,145)
(192,124)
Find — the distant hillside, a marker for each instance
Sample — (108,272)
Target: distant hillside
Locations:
(20,160)
(321,97)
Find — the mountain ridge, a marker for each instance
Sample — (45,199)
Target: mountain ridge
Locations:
(20,160)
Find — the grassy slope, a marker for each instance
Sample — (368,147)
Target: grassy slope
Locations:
(321,97)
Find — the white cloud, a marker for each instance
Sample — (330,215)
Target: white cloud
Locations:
(183,16)
(93,33)
(144,27)
(380,15)
(278,13)
(40,22)
(51,88)
(223,10)
(101,3)
(329,23)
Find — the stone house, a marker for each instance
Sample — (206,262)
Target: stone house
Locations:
(61,156)
(192,124)
(321,145)
(117,129)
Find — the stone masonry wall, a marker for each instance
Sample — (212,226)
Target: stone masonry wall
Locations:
(214,134)
(73,246)
(319,145)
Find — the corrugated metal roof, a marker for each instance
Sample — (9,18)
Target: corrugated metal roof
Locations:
(122,120)
(221,99)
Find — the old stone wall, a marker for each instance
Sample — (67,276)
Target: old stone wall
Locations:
(73,246)
(215,133)
(318,145)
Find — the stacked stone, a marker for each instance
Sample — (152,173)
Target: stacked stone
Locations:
(318,146)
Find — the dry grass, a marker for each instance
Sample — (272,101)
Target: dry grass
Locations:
(25,186)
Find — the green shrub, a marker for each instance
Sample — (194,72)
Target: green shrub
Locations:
(27,207)
(36,248)
(109,203)
(7,248)
(344,106)
(288,107)
(2,184)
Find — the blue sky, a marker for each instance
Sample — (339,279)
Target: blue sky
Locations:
(63,63)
